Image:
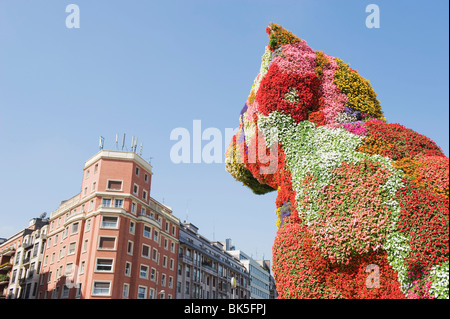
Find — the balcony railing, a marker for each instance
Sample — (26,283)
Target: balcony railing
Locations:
(5,266)
(26,261)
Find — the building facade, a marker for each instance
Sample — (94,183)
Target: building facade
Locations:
(21,259)
(112,240)
(260,282)
(206,270)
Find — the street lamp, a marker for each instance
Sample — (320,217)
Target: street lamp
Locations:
(160,293)
(233,286)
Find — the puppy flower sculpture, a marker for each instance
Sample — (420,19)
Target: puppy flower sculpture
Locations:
(362,204)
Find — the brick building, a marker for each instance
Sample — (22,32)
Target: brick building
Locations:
(112,240)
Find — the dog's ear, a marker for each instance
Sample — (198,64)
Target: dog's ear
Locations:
(279,36)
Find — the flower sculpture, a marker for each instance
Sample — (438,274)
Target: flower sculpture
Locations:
(362,204)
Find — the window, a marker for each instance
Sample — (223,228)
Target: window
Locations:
(137,171)
(74,229)
(88,225)
(72,248)
(143,212)
(68,270)
(118,203)
(127,269)
(143,272)
(133,208)
(142,292)
(126,290)
(146,177)
(155,255)
(130,248)
(147,231)
(55,293)
(188,271)
(101,288)
(62,252)
(65,232)
(132,227)
(163,280)
(153,274)
(91,205)
(85,245)
(104,265)
(95,168)
(114,185)
(135,189)
(144,194)
(155,236)
(106,202)
(107,243)
(109,222)
(78,291)
(145,251)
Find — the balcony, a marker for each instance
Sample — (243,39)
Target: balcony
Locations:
(26,261)
(5,267)
(8,251)
(185,259)
(4,279)
(27,246)
(150,219)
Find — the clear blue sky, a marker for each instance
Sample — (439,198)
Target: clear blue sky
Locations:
(146,67)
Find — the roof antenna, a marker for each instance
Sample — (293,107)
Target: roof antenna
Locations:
(101,142)
(123,141)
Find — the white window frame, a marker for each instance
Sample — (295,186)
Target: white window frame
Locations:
(150,233)
(145,292)
(140,271)
(104,271)
(107,249)
(101,294)
(114,180)
(126,291)
(102,224)
(106,199)
(129,269)
(149,251)
(74,244)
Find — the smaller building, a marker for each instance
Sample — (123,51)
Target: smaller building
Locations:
(21,259)
(207,271)
(260,278)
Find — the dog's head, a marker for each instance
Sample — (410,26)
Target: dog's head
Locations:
(301,85)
